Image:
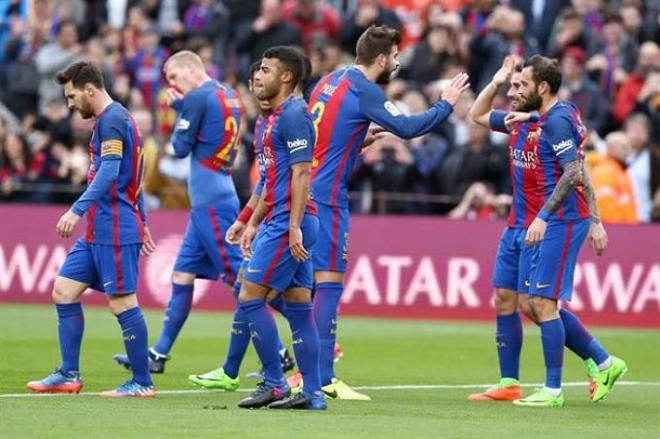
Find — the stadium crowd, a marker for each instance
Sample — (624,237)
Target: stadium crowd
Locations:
(607,50)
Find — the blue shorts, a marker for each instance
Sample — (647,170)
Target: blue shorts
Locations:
(272,264)
(553,263)
(106,268)
(331,249)
(204,251)
(513,261)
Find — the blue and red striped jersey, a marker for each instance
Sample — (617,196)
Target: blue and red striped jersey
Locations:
(259,128)
(537,152)
(561,142)
(343,104)
(527,195)
(208,128)
(288,138)
(115,218)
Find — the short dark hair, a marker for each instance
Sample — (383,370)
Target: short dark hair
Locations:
(291,59)
(81,73)
(545,69)
(254,68)
(376,40)
(613,18)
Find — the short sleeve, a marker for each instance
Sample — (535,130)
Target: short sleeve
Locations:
(496,121)
(297,133)
(561,136)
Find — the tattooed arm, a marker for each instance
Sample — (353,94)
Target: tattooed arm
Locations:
(566,184)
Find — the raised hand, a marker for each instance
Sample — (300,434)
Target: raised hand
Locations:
(457,86)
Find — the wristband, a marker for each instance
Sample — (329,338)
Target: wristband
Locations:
(544,215)
(245,214)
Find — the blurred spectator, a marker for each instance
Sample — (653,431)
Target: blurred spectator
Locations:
(571,32)
(55,56)
(146,67)
(431,55)
(315,19)
(369,12)
(577,87)
(506,37)
(639,163)
(209,20)
(612,184)
(161,191)
(540,16)
(268,30)
(641,84)
(387,166)
(616,57)
(475,15)
(480,160)
(481,202)
(18,165)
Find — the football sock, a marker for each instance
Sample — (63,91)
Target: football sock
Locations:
(580,340)
(553,339)
(326,302)
(238,343)
(305,344)
(509,340)
(136,342)
(70,327)
(263,331)
(175,316)
(277,303)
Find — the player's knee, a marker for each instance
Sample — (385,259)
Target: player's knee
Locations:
(506,301)
(543,308)
(298,295)
(183,278)
(120,303)
(61,294)
(328,276)
(526,309)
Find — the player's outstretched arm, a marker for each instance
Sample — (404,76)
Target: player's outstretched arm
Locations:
(483,104)
(376,108)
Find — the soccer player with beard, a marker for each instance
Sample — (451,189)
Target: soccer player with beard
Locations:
(281,259)
(546,270)
(343,104)
(106,259)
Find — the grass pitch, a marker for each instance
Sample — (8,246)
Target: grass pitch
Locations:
(418,374)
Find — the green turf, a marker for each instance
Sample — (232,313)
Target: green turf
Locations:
(377,353)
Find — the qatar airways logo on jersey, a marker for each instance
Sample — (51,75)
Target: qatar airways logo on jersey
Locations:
(267,159)
(523,159)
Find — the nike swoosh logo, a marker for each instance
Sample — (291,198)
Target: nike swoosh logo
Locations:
(607,381)
(528,283)
(541,286)
(252,270)
(107,283)
(332,394)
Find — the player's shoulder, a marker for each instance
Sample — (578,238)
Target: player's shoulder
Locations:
(294,107)
(115,116)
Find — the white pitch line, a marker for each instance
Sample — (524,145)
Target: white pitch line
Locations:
(393,387)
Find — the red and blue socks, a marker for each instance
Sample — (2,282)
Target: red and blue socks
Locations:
(70,327)
(175,316)
(136,341)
